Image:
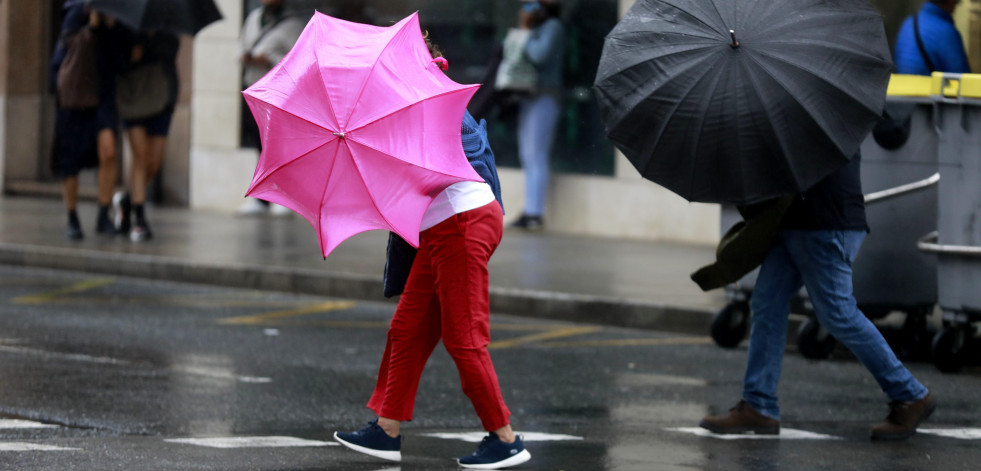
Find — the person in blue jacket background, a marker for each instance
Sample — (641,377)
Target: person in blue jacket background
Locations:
(942,45)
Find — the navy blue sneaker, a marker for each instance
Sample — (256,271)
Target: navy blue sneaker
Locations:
(372,440)
(495,454)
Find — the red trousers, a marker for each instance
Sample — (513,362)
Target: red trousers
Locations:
(446,297)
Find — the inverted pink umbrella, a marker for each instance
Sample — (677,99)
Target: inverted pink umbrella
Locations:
(360,129)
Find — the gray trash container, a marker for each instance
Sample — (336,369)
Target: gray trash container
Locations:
(890,274)
(957,242)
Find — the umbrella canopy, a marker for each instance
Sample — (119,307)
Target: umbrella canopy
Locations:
(360,129)
(176,16)
(739,101)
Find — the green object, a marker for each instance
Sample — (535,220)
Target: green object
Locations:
(744,246)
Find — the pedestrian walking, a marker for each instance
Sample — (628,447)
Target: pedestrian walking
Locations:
(539,40)
(928,41)
(819,238)
(151,84)
(268,33)
(89,54)
(446,297)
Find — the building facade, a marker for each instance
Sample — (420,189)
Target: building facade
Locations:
(594,191)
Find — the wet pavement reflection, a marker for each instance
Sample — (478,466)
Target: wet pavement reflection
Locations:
(113,373)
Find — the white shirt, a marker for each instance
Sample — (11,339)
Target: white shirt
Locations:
(455,199)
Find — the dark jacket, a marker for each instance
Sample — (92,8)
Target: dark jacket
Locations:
(834,203)
(399,254)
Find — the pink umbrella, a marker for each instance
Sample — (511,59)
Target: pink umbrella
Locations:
(360,129)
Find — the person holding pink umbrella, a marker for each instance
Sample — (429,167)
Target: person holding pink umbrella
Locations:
(446,298)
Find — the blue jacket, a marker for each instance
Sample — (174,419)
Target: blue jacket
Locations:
(546,49)
(399,255)
(940,38)
(479,153)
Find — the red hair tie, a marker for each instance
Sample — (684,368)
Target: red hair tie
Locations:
(442,62)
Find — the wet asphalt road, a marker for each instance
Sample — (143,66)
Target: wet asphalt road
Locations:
(112,373)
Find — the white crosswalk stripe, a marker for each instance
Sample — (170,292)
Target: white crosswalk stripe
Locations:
(18,424)
(23,446)
(476,437)
(785,434)
(960,433)
(249,442)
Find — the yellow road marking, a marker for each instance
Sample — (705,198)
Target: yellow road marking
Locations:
(53,295)
(631,342)
(269,316)
(552,334)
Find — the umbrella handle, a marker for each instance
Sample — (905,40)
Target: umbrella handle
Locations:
(443,64)
(732,34)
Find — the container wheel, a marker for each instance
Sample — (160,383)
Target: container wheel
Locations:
(730,324)
(814,341)
(948,348)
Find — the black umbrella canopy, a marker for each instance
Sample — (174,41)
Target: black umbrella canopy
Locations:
(176,16)
(739,101)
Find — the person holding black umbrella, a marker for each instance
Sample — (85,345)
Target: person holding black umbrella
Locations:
(819,238)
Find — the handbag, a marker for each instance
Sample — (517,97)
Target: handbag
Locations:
(516,72)
(142,91)
(78,77)
(398,264)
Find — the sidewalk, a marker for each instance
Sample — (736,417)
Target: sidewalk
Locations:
(605,281)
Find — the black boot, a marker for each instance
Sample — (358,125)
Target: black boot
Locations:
(103,224)
(74,231)
(141,230)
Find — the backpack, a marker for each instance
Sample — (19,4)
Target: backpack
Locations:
(78,76)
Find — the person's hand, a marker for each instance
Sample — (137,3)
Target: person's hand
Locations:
(260,60)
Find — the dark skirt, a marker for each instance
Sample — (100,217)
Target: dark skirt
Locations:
(76,138)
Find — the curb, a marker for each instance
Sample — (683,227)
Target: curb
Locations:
(526,303)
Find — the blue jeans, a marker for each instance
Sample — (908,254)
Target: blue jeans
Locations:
(538,119)
(822,262)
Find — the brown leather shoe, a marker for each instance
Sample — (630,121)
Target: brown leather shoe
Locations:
(903,419)
(741,419)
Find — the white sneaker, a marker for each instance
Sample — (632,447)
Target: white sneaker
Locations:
(279,210)
(252,207)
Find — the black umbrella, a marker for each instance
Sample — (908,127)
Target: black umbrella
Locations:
(742,100)
(176,16)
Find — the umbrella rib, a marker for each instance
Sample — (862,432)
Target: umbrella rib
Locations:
(760,94)
(396,157)
(364,84)
(323,196)
(701,123)
(681,99)
(283,165)
(818,76)
(438,95)
(685,11)
(371,197)
(693,63)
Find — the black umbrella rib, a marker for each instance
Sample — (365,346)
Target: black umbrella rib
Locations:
(653,82)
(696,19)
(816,74)
(703,107)
(681,99)
(630,52)
(785,149)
